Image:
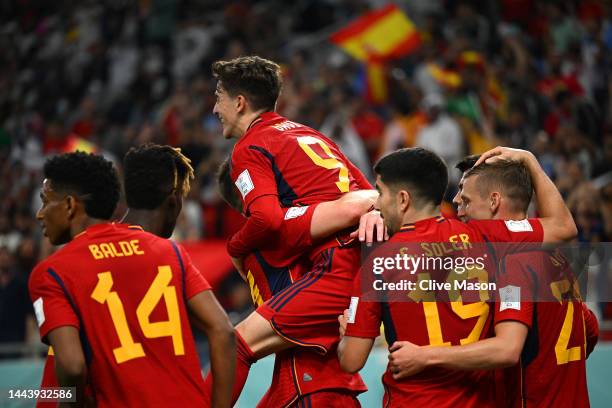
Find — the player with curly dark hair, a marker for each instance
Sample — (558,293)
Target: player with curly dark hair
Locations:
(76,184)
(98,299)
(156,178)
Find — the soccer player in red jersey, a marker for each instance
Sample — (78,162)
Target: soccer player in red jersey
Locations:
(411,183)
(107,328)
(277,160)
(549,340)
(301,376)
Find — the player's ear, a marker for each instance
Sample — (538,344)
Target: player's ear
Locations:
(70,203)
(404,200)
(240,103)
(494,202)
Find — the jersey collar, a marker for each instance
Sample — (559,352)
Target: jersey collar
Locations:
(414,225)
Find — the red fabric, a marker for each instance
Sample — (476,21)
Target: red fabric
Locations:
(297,371)
(211,258)
(550,381)
(167,369)
(244,360)
(278,158)
(307,312)
(49,379)
(264,222)
(409,321)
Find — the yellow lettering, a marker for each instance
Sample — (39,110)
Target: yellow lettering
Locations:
(426,249)
(117,254)
(135,248)
(126,248)
(108,253)
(95,251)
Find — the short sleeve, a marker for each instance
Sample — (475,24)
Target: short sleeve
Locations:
(50,298)
(194,281)
(252,174)
(527,230)
(364,317)
(514,286)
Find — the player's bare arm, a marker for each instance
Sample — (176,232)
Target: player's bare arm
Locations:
(70,365)
(353,353)
(209,316)
(555,217)
(502,350)
(330,217)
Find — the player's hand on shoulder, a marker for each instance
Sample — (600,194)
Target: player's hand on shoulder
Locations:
(406,359)
(371,227)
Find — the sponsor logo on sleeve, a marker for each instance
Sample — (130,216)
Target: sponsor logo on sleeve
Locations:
(352,310)
(519,226)
(509,298)
(244,183)
(295,212)
(39,311)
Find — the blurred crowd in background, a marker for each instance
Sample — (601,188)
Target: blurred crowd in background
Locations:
(105,76)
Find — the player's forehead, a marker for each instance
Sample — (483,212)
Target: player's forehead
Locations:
(467,185)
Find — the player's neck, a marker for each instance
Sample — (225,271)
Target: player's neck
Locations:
(510,215)
(149,220)
(81,224)
(413,215)
(248,120)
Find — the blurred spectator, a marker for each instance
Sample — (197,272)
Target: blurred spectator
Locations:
(15,307)
(441,134)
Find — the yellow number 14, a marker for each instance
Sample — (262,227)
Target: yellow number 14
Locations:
(160,287)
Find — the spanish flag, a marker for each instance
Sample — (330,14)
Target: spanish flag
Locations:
(376,37)
(381,34)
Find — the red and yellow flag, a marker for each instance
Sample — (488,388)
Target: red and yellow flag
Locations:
(374,38)
(380,34)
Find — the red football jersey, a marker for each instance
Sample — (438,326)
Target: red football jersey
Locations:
(297,371)
(125,290)
(437,323)
(552,370)
(298,164)
(292,162)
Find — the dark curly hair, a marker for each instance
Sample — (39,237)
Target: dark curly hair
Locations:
(257,79)
(91,177)
(152,172)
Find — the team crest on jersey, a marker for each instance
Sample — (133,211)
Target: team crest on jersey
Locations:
(295,212)
(510,298)
(244,183)
(39,311)
(519,225)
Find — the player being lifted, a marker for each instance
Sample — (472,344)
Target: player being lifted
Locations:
(411,183)
(527,333)
(301,377)
(127,337)
(276,160)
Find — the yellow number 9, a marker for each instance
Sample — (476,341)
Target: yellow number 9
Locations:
(329,163)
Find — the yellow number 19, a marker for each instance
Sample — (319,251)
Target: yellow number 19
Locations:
(130,349)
